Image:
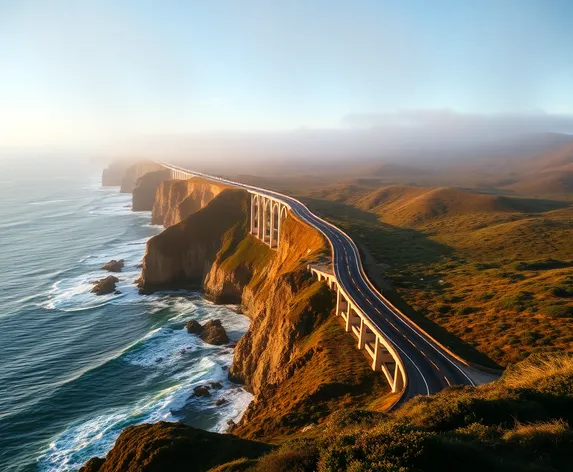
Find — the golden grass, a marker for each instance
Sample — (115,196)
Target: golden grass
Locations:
(530,372)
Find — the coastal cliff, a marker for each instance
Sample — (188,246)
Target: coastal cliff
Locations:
(134,172)
(145,189)
(113,174)
(295,357)
(177,199)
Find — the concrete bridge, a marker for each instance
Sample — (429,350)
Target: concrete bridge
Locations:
(384,356)
(413,362)
(267,212)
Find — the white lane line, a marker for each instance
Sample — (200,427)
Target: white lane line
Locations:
(446,379)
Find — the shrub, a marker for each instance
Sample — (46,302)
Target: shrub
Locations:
(559,311)
(465,310)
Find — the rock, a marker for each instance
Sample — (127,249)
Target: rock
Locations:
(93,465)
(201,391)
(221,401)
(193,327)
(214,333)
(117,292)
(174,447)
(145,189)
(216,385)
(113,265)
(105,285)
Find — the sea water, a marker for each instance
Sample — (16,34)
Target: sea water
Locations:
(76,368)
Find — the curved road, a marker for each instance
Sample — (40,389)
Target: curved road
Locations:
(429,368)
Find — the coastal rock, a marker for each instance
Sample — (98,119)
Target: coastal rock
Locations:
(221,401)
(183,254)
(134,172)
(113,265)
(173,447)
(105,285)
(193,327)
(214,333)
(216,385)
(93,465)
(113,174)
(175,200)
(145,189)
(201,391)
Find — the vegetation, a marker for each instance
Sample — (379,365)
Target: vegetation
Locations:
(519,423)
(490,276)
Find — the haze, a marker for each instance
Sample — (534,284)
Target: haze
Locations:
(256,80)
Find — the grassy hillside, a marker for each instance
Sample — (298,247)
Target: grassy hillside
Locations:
(495,271)
(519,423)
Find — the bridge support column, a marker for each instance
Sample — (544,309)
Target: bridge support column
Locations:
(253,216)
(352,319)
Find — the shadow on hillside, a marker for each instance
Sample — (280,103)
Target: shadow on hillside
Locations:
(399,247)
(392,244)
(536,205)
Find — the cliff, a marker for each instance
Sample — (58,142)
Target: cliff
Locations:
(182,255)
(113,174)
(295,357)
(174,447)
(136,171)
(177,199)
(145,189)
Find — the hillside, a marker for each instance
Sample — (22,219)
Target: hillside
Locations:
(466,264)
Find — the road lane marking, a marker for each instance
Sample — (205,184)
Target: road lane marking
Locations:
(446,379)
(433,363)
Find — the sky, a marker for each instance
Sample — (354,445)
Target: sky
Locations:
(90,73)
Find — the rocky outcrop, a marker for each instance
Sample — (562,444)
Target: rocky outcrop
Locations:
(134,172)
(177,199)
(193,327)
(211,332)
(113,265)
(173,447)
(214,333)
(145,189)
(105,285)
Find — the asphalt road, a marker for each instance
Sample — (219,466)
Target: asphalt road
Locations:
(429,368)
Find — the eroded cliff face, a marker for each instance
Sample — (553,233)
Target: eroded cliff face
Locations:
(145,189)
(295,357)
(182,255)
(113,174)
(177,199)
(134,172)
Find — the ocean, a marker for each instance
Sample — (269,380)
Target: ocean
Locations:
(76,368)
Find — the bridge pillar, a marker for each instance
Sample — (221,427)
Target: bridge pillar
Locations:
(351,319)
(341,303)
(253,216)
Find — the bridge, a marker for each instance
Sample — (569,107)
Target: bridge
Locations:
(413,362)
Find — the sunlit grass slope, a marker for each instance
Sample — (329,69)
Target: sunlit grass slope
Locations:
(519,423)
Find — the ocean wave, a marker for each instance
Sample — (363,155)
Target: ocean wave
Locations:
(49,202)
(174,357)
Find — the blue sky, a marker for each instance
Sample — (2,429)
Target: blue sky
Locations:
(83,71)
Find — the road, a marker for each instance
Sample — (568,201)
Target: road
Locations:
(429,368)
